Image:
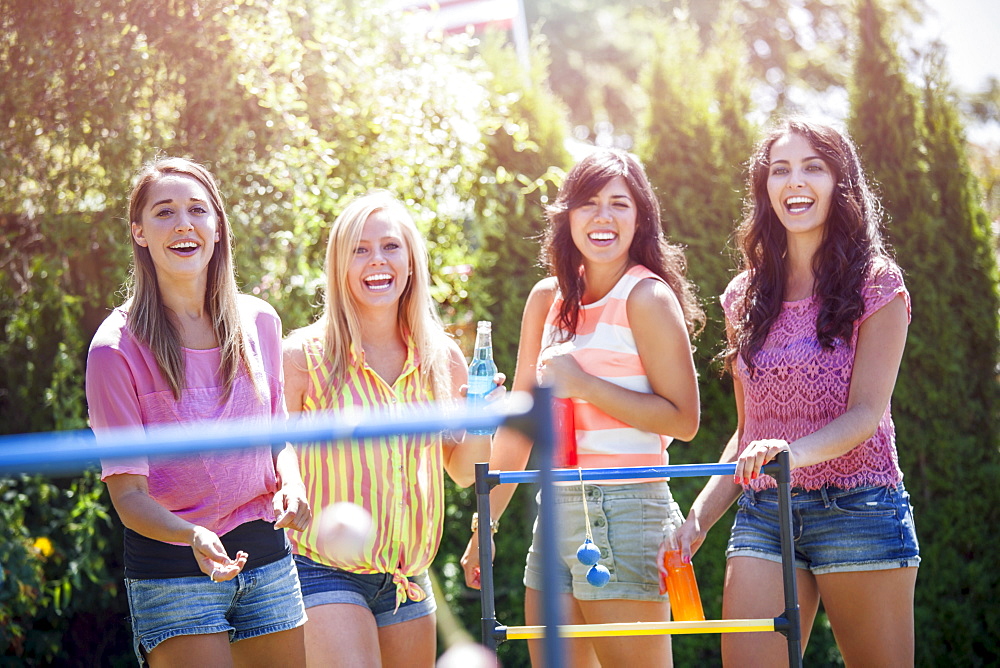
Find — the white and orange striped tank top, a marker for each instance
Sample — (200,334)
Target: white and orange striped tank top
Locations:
(604,347)
(398,479)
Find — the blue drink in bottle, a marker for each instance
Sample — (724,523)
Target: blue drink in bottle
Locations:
(481,371)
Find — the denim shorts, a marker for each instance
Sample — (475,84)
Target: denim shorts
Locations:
(376,591)
(263,600)
(626,522)
(835,530)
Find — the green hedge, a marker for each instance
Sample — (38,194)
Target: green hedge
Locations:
(322,100)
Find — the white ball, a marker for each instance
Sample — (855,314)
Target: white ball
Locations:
(343,531)
(467,655)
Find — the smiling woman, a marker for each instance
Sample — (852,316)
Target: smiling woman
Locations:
(609,329)
(184,348)
(378,344)
(816,325)
(378,272)
(180,230)
(604,226)
(799,185)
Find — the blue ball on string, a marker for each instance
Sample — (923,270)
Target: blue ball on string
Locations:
(598,575)
(588,554)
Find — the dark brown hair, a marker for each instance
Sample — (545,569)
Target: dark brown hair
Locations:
(649,246)
(852,242)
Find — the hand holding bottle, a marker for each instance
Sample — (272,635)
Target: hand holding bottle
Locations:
(678,581)
(557,367)
(565,416)
(482,372)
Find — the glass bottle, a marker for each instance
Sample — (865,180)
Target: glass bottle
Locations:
(481,371)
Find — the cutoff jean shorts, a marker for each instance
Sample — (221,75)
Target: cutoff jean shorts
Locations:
(626,521)
(266,599)
(323,584)
(834,530)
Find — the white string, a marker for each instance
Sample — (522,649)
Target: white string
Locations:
(586,513)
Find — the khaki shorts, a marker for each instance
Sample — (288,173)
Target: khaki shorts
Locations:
(626,522)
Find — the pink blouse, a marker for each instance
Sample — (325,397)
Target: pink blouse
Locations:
(218,490)
(798,387)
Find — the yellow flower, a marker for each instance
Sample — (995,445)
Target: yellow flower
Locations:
(43,545)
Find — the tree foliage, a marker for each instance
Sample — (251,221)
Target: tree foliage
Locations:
(297,105)
(792,49)
(523,169)
(60,569)
(945,399)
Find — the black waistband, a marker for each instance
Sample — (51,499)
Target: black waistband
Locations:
(148,558)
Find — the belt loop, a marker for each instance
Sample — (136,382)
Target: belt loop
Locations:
(826,497)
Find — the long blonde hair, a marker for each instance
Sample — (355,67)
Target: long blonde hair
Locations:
(147,316)
(417,314)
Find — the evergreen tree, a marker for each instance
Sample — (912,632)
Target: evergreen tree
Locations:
(525,160)
(943,403)
(697,138)
(965,488)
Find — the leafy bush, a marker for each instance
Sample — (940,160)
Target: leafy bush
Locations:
(299,104)
(58,577)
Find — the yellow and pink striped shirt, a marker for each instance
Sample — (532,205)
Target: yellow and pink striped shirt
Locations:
(604,347)
(398,479)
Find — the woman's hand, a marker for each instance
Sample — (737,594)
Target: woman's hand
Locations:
(661,557)
(144,515)
(559,370)
(290,503)
(470,560)
(212,557)
(756,454)
(499,392)
(496,394)
(291,507)
(688,537)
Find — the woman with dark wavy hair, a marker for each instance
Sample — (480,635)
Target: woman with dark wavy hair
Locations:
(610,328)
(816,327)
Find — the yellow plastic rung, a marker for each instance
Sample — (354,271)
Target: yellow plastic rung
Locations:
(644,628)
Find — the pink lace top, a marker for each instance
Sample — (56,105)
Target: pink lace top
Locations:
(798,387)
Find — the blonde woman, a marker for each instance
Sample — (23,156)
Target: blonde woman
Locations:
(184,348)
(378,345)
